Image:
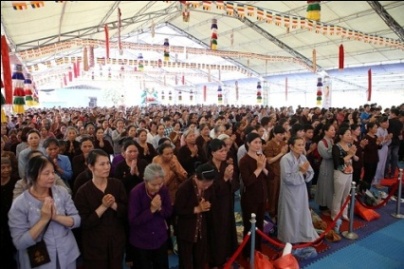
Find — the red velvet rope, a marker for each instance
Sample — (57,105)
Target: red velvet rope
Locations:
(303,245)
(384,201)
(229,263)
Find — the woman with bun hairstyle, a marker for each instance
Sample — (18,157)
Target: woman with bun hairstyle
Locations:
(222,223)
(254,171)
(193,201)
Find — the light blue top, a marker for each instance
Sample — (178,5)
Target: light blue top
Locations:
(25,212)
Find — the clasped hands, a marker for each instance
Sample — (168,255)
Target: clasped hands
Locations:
(203,206)
(155,204)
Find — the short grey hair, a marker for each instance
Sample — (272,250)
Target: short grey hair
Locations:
(153,171)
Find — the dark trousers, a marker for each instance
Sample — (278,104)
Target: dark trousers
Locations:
(192,255)
(259,211)
(150,258)
(370,172)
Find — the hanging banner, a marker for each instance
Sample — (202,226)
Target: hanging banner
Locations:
(5,60)
(369,85)
(204,93)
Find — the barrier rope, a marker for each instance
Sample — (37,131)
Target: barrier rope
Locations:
(229,263)
(384,201)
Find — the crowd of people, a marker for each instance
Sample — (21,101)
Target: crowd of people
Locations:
(108,186)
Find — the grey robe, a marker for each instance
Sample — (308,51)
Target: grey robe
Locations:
(294,217)
(325,182)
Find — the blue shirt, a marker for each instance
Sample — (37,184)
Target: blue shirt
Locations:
(66,166)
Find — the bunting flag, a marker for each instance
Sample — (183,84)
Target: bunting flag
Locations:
(219,95)
(37,4)
(369,85)
(260,14)
(3,102)
(230,8)
(18,86)
(29,100)
(106,41)
(140,62)
(185,11)
(207,5)
(170,97)
(213,41)
(179,96)
(162,95)
(250,11)
(259,93)
(204,93)
(119,31)
(240,10)
(341,57)
(219,5)
(159,63)
(314,60)
(191,95)
(19,6)
(6,68)
(319,91)
(166,50)
(313,10)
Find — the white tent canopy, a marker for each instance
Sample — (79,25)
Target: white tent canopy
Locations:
(257,41)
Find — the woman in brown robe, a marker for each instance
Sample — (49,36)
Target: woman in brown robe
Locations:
(102,205)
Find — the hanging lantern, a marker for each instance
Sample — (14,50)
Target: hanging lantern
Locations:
(313,10)
(166,50)
(259,93)
(341,56)
(319,90)
(28,91)
(140,62)
(219,95)
(213,40)
(18,87)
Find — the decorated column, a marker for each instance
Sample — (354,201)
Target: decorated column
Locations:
(29,100)
(166,50)
(259,93)
(219,95)
(319,91)
(213,41)
(18,87)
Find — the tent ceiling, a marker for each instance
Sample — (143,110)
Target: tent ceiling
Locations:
(54,23)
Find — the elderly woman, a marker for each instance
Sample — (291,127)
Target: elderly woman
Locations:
(44,211)
(148,211)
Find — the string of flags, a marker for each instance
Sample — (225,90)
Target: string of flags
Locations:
(24,5)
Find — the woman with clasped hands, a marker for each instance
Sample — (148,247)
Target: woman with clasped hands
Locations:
(43,203)
(102,206)
(193,200)
(148,209)
(294,218)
